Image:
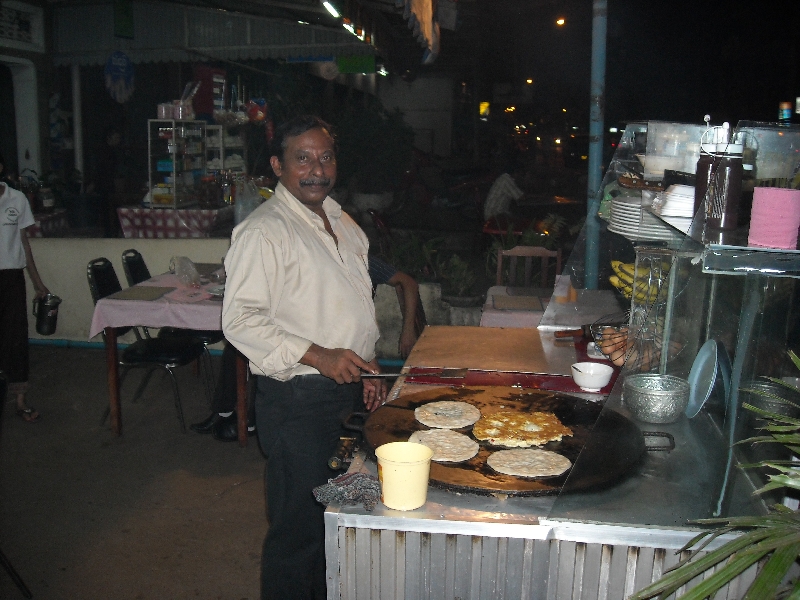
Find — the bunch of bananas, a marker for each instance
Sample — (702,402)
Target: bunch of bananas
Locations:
(642,287)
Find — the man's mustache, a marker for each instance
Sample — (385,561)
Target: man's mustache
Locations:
(326,181)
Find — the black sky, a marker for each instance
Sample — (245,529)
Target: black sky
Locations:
(664,60)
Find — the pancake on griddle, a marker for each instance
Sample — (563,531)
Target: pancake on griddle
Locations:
(513,429)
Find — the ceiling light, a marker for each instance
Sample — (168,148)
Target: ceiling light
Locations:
(331,9)
(560,22)
(529,81)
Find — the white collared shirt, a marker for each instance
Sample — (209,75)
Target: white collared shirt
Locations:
(289,285)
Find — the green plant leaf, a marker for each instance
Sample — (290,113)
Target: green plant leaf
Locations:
(736,566)
(772,573)
(697,565)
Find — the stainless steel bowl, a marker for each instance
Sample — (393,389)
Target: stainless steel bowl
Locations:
(654,398)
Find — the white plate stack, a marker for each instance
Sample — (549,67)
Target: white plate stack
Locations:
(676,207)
(634,221)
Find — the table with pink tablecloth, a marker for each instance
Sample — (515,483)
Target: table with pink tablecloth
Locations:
(168,310)
(158,223)
(162,312)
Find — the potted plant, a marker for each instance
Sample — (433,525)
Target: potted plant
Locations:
(374,151)
(773,538)
(458,278)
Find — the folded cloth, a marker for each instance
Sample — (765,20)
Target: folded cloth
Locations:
(350,488)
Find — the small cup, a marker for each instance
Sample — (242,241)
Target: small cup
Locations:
(403,470)
(591,376)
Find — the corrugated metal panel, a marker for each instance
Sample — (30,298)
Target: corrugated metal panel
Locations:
(167,32)
(397,565)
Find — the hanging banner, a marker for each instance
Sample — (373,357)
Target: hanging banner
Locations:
(119,76)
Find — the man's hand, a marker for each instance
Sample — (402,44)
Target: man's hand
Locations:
(340,364)
(374,389)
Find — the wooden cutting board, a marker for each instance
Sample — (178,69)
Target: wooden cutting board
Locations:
(486,348)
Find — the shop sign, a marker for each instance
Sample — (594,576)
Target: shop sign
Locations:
(119,76)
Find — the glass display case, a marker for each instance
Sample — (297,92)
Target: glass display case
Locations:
(176,163)
(224,151)
(704,308)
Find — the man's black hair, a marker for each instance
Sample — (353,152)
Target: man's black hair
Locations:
(298,126)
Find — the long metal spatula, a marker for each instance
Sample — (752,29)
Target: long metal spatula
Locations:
(441,374)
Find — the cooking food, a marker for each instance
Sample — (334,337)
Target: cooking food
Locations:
(447,445)
(447,414)
(527,462)
(519,429)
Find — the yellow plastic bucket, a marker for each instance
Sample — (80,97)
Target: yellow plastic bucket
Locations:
(403,470)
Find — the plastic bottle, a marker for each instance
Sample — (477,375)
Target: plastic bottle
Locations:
(722,210)
(784,113)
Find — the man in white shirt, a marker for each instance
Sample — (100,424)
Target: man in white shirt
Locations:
(298,305)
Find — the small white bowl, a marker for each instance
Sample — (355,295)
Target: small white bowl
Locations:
(591,376)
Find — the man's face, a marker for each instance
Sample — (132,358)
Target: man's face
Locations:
(308,169)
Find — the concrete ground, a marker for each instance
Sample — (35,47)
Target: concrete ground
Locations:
(153,514)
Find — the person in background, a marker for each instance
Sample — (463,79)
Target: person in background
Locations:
(298,305)
(222,422)
(407,291)
(15,256)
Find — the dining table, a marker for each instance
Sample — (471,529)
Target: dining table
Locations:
(167,303)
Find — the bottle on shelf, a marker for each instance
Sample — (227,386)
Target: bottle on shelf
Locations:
(725,197)
(785,113)
(709,158)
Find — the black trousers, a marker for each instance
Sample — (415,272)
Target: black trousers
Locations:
(299,424)
(13,326)
(225,391)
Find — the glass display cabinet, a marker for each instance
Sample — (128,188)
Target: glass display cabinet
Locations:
(177,161)
(224,151)
(706,309)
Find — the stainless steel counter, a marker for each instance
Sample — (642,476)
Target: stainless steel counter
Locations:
(600,544)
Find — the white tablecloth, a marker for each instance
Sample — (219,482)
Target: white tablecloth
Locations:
(163,312)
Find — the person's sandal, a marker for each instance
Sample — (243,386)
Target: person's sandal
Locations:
(29,415)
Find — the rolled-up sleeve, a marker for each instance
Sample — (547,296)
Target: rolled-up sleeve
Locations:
(255,281)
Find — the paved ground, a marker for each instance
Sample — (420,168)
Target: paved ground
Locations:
(154,514)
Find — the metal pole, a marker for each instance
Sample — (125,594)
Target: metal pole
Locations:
(596,121)
(77,122)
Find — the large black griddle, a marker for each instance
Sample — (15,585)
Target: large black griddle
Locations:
(621,447)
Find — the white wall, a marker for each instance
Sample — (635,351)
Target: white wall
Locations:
(427,105)
(62,265)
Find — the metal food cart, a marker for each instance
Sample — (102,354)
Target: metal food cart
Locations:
(609,540)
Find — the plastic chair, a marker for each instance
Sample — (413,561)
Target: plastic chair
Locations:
(136,271)
(528,253)
(163,353)
(9,568)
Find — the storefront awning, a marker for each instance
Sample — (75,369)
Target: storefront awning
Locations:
(85,35)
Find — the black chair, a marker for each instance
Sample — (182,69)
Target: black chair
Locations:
(136,271)
(163,353)
(3,560)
